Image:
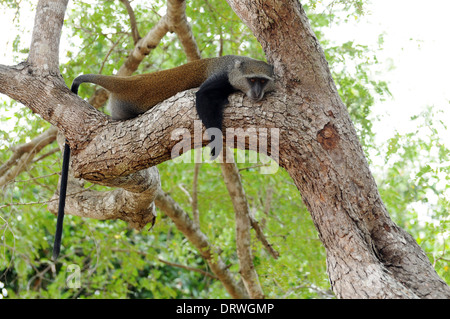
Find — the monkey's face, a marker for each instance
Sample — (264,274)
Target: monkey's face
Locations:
(252,77)
(257,87)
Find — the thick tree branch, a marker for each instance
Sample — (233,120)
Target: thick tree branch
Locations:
(134,208)
(262,238)
(44,49)
(330,168)
(132,202)
(55,103)
(97,157)
(128,153)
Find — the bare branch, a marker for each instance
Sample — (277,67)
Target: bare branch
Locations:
(205,273)
(52,151)
(134,208)
(132,202)
(142,253)
(44,48)
(200,241)
(134,28)
(233,182)
(195,212)
(23,155)
(144,46)
(176,13)
(262,238)
(111,49)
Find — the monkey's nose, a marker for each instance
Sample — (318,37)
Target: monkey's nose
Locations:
(255,97)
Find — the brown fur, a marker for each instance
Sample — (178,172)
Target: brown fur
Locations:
(146,90)
(133,95)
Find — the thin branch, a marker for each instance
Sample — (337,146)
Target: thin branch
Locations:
(50,201)
(205,273)
(268,203)
(200,241)
(176,13)
(133,24)
(242,212)
(262,238)
(24,154)
(52,151)
(109,52)
(195,212)
(186,192)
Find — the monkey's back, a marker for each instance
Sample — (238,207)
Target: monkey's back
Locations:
(147,90)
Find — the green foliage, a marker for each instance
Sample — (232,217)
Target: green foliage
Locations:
(414,184)
(350,64)
(116,262)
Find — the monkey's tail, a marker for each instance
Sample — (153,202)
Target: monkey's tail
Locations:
(62,201)
(63,188)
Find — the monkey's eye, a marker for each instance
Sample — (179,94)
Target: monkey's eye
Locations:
(252,80)
(262,81)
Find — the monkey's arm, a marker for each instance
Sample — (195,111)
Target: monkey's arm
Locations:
(211,99)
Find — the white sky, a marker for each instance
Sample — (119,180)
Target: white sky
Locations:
(417,44)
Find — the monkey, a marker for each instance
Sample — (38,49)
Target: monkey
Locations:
(216,78)
(252,77)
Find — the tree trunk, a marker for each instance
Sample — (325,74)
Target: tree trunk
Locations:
(368,256)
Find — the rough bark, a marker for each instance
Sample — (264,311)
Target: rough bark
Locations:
(46,36)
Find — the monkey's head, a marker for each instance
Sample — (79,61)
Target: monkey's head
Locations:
(252,77)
